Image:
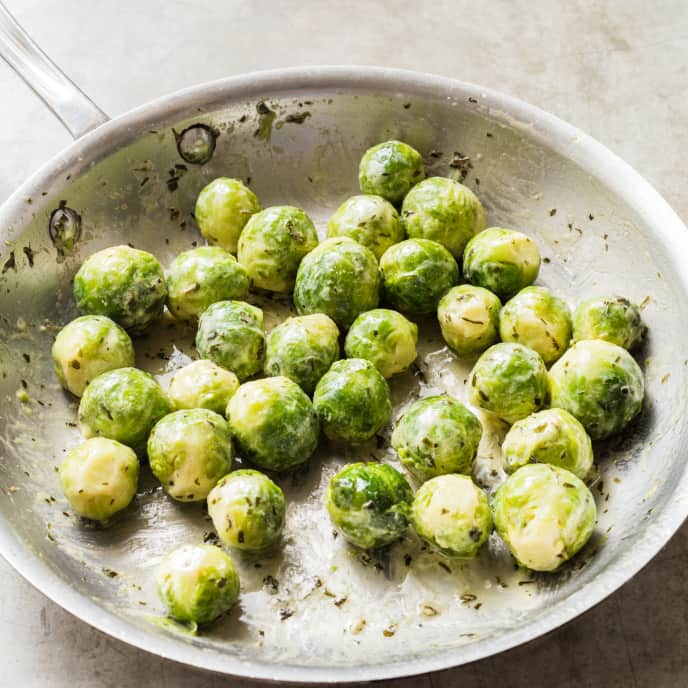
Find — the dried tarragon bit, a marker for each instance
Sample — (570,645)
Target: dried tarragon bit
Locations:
(64,228)
(196,144)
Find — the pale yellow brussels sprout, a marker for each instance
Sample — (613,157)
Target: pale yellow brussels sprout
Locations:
(189,451)
(368,219)
(202,384)
(452,515)
(99,478)
(545,514)
(552,436)
(539,320)
(247,510)
(197,583)
(469,319)
(222,209)
(87,347)
(385,338)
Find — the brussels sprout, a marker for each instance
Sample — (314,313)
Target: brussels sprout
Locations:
(202,384)
(123,405)
(416,273)
(452,515)
(272,244)
(247,510)
(437,435)
(545,514)
(369,503)
(273,423)
(202,276)
(611,318)
(230,333)
(443,210)
(385,338)
(352,400)
(510,381)
(302,349)
(197,583)
(600,384)
(553,436)
(189,451)
(539,320)
(370,220)
(222,209)
(389,170)
(124,284)
(339,278)
(469,318)
(87,347)
(99,478)
(502,261)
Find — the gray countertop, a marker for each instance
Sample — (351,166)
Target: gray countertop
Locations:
(618,70)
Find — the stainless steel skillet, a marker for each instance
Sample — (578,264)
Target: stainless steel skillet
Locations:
(127,182)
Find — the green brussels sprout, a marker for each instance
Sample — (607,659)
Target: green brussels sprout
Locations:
(302,349)
(445,211)
(369,503)
(545,514)
(437,435)
(202,384)
(87,347)
(222,209)
(123,405)
(202,276)
(273,423)
(99,478)
(247,510)
(600,384)
(385,338)
(539,320)
(389,170)
(230,333)
(124,284)
(197,583)
(370,220)
(469,319)
(552,436)
(502,261)
(189,451)
(416,273)
(510,381)
(272,244)
(452,515)
(339,278)
(352,401)
(611,318)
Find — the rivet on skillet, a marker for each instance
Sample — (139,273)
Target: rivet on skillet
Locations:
(196,144)
(64,228)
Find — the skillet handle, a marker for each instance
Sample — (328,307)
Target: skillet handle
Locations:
(73,107)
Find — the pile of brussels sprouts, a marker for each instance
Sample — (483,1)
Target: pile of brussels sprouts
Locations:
(269,397)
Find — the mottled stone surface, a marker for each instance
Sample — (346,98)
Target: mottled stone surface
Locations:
(618,70)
